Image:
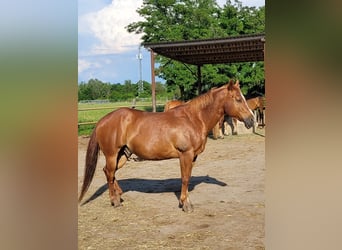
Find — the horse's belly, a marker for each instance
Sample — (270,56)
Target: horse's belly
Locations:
(155,153)
(152,149)
(156,156)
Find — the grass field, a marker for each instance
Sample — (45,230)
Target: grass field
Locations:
(92,112)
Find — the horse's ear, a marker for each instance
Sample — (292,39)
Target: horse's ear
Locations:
(237,83)
(230,84)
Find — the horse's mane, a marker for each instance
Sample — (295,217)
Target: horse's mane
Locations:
(203,100)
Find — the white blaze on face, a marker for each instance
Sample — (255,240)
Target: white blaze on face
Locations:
(250,111)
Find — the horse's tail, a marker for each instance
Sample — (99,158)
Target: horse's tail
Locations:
(90,164)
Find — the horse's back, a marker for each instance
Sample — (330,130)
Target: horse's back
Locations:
(115,117)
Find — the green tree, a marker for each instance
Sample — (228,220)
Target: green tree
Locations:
(116,92)
(171,20)
(98,89)
(160,89)
(83,91)
(93,89)
(236,19)
(147,90)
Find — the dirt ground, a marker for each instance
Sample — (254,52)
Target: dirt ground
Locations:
(226,189)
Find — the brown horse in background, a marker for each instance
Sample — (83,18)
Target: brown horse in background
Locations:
(258,104)
(178,133)
(255,104)
(171,104)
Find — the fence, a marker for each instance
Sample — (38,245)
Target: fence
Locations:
(112,108)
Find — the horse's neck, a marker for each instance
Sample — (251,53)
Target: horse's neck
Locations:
(211,112)
(253,103)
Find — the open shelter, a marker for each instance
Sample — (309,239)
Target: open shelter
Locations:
(244,48)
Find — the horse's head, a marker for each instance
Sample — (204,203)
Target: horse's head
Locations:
(236,105)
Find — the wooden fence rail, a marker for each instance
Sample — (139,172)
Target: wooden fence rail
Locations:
(113,108)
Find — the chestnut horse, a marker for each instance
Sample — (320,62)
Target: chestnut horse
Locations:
(172,104)
(178,133)
(255,104)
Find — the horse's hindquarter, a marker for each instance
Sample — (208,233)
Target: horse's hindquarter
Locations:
(110,130)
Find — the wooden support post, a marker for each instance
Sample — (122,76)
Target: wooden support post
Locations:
(199,79)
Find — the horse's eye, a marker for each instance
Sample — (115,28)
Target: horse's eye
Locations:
(239,100)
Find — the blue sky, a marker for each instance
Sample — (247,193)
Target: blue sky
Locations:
(106,51)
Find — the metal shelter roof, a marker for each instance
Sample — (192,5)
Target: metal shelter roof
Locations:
(245,48)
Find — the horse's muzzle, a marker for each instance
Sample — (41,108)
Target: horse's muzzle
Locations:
(249,122)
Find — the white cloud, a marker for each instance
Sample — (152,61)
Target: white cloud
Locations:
(83,65)
(108,26)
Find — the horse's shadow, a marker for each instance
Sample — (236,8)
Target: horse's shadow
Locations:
(157,186)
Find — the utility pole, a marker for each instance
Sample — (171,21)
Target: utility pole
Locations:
(153,83)
(140,85)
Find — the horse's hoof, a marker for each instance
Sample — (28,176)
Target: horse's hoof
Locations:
(115,203)
(188,208)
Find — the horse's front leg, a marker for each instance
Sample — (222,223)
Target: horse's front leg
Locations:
(234,128)
(186,163)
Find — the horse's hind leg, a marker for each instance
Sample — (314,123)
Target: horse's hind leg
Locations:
(114,162)
(186,164)
(109,170)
